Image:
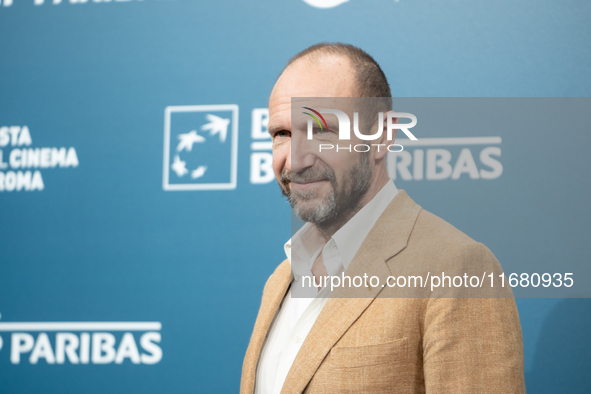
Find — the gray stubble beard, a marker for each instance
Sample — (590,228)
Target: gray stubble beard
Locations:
(338,201)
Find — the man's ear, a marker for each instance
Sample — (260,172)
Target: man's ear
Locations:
(381,153)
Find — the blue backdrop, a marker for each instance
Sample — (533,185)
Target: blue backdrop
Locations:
(94,98)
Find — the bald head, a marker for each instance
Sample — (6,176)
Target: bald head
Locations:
(369,79)
(322,76)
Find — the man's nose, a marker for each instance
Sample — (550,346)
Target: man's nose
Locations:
(300,154)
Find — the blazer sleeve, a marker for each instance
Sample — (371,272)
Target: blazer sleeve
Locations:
(473,345)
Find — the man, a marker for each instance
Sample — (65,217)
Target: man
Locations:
(368,339)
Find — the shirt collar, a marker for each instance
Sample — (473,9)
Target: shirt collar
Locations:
(348,239)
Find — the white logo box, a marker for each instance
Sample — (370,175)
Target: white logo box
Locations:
(168,113)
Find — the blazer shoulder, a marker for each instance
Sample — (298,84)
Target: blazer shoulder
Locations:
(437,230)
(438,237)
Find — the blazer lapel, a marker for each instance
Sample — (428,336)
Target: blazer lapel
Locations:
(386,239)
(272,297)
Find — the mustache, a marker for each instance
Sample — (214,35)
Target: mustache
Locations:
(308,174)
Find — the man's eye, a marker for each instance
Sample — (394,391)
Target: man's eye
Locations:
(321,130)
(282,134)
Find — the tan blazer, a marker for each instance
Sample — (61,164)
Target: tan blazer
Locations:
(378,344)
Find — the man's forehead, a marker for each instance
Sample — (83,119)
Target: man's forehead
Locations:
(326,76)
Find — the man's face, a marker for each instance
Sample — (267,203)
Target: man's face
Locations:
(319,186)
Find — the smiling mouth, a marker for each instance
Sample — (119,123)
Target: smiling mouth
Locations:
(307,184)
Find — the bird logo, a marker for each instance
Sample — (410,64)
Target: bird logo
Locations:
(198,172)
(188,139)
(179,166)
(216,126)
(200,147)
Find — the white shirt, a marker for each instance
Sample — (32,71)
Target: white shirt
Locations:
(296,316)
